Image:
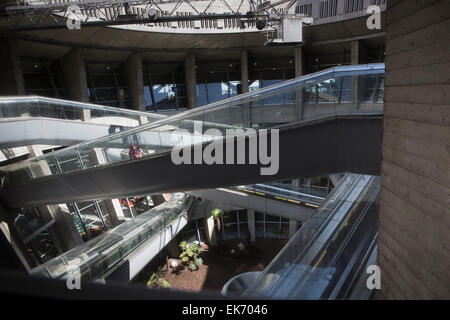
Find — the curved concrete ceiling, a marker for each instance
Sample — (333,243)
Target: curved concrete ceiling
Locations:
(112,43)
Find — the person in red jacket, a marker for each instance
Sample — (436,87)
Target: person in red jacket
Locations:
(133,153)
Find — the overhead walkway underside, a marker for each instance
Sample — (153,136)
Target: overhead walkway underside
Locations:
(284,201)
(322,138)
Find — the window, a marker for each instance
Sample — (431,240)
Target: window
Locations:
(43,77)
(107,85)
(266,72)
(305,9)
(377,2)
(328,8)
(235,225)
(217,81)
(353,5)
(268,226)
(164,87)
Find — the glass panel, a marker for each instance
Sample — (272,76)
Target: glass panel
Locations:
(336,238)
(156,138)
(99,255)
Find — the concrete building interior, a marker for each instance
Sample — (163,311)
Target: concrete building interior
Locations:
(351,97)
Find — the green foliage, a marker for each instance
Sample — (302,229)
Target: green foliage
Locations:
(192,266)
(157,280)
(216,214)
(191,255)
(198,261)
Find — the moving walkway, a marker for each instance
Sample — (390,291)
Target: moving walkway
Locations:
(328,122)
(31,120)
(328,256)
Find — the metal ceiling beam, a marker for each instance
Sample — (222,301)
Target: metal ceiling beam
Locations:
(35,14)
(126,21)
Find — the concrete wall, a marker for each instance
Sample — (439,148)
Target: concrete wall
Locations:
(414,237)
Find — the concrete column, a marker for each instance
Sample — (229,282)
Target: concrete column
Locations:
(246,110)
(292,227)
(114,209)
(210,231)
(190,78)
(298,61)
(358,52)
(64,228)
(355,52)
(244,71)
(251,225)
(34,151)
(13,237)
(355,59)
(11,78)
(74,72)
(298,73)
(135,79)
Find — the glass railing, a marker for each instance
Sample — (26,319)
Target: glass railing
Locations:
(93,259)
(35,106)
(340,91)
(320,260)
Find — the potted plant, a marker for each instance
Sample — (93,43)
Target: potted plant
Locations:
(157,280)
(217,214)
(191,255)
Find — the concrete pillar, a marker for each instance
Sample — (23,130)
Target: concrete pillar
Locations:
(355,58)
(251,225)
(210,231)
(34,151)
(135,78)
(298,51)
(13,237)
(11,78)
(358,52)
(190,78)
(298,73)
(64,229)
(292,227)
(114,209)
(246,110)
(74,72)
(244,71)
(355,52)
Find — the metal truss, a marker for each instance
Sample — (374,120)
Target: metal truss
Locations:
(48,14)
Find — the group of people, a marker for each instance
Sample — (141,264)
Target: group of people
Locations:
(135,153)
